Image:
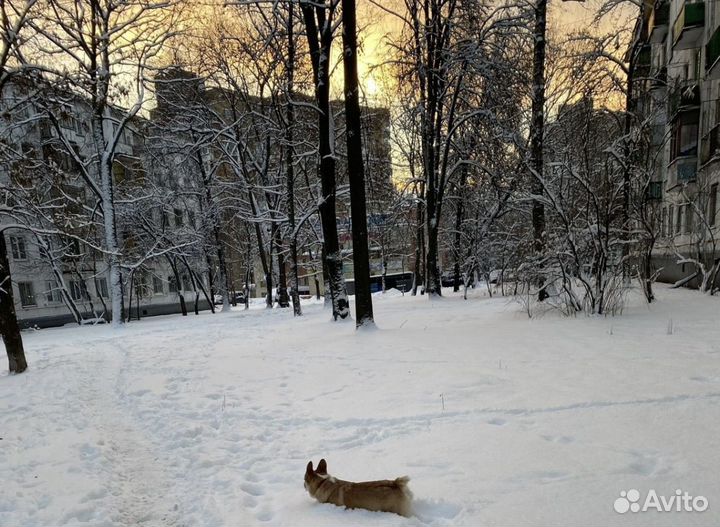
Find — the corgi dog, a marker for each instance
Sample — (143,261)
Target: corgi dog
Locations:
(384,495)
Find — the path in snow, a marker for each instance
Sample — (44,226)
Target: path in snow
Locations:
(498,420)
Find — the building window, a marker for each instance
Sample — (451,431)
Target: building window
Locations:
(186,283)
(712,204)
(655,190)
(52,292)
(17,245)
(178,217)
(191,219)
(678,220)
(685,136)
(78,290)
(27,294)
(172,284)
(663,222)
(671,221)
(101,287)
(689,216)
(157,285)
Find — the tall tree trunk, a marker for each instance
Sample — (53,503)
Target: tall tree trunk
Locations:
(290,160)
(282,294)
(9,326)
(458,239)
(269,277)
(536,137)
(223,278)
(178,281)
(112,245)
(320,36)
(419,253)
(356,170)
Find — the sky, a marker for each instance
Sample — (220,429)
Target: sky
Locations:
(564,17)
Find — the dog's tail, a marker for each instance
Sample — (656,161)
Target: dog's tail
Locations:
(402,484)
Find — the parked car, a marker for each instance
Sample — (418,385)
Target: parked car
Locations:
(239,298)
(447,279)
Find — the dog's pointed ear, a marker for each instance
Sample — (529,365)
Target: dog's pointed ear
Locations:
(309,469)
(322,467)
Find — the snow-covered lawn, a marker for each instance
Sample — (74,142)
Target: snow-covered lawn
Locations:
(498,420)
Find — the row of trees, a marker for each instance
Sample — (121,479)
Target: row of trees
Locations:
(519,156)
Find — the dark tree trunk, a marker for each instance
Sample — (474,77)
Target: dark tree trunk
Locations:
(283,297)
(9,326)
(290,155)
(627,168)
(173,266)
(269,277)
(267,271)
(536,138)
(458,240)
(320,36)
(211,282)
(419,253)
(356,170)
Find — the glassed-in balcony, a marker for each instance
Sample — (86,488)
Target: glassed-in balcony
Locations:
(659,19)
(684,97)
(712,56)
(643,62)
(689,25)
(658,78)
(681,171)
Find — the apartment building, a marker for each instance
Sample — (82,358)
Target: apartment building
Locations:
(675,65)
(59,274)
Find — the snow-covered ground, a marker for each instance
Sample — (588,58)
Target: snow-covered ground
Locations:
(499,420)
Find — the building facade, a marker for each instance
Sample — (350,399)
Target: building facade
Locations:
(675,71)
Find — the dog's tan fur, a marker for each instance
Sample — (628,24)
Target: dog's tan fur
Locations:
(384,495)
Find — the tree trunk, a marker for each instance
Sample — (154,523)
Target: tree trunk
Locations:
(419,253)
(356,170)
(109,222)
(458,241)
(173,266)
(283,296)
(290,159)
(9,326)
(536,138)
(320,47)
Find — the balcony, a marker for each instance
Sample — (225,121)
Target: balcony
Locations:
(682,170)
(659,19)
(684,97)
(643,61)
(689,25)
(712,56)
(658,80)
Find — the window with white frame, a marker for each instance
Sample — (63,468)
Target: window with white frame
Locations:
(101,287)
(27,294)
(52,292)
(78,291)
(18,248)
(158,288)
